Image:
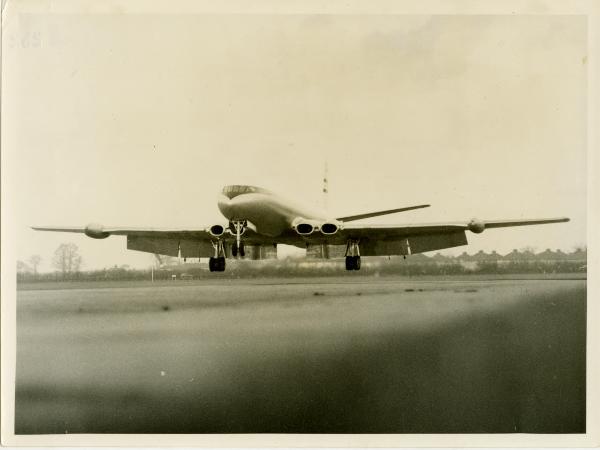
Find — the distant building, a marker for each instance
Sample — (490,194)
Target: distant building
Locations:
(579,254)
(517,256)
(495,256)
(549,255)
(325,251)
(480,256)
(260,251)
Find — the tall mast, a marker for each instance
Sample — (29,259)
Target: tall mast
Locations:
(325,188)
(325,247)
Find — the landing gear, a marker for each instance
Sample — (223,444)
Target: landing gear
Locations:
(235,250)
(238,228)
(217,262)
(352,262)
(352,255)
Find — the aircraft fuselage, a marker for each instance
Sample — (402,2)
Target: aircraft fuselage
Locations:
(271,214)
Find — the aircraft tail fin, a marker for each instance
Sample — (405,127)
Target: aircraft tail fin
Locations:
(379,213)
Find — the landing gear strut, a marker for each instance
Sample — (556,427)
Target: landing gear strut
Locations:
(235,250)
(352,255)
(238,246)
(217,263)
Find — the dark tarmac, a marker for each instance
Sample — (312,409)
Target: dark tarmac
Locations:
(330,355)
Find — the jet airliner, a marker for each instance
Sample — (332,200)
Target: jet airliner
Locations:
(258,217)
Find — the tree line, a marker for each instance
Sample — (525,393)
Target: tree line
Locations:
(67,263)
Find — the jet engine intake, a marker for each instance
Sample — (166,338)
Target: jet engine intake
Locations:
(476,226)
(96,231)
(329,228)
(216,230)
(303,226)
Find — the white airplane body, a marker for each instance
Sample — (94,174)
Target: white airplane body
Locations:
(259,217)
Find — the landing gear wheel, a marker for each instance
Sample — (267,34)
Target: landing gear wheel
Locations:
(242,250)
(216,264)
(352,262)
(349,262)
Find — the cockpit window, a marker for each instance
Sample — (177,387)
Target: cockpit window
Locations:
(234,190)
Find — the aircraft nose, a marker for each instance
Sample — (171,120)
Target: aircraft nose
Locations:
(225,205)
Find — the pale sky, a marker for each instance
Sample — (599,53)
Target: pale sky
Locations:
(139,120)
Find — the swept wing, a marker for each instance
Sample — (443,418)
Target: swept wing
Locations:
(186,242)
(418,238)
(373,239)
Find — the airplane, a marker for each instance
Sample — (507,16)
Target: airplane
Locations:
(259,217)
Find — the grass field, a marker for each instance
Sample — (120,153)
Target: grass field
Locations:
(335,355)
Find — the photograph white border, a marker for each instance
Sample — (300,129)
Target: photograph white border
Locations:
(591,9)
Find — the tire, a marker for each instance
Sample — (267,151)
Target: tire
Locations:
(234,250)
(211,264)
(242,250)
(357,263)
(221,264)
(349,262)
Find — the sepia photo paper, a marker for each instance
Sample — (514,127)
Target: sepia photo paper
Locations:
(300,223)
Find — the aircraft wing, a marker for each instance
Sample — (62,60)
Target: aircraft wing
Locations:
(184,242)
(477,226)
(373,239)
(419,238)
(101,232)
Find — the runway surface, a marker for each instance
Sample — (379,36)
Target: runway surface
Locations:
(330,355)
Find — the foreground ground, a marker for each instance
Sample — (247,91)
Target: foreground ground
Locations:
(385,355)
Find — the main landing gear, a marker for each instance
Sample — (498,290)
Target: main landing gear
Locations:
(217,263)
(352,255)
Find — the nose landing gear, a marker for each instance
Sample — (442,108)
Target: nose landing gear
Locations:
(352,255)
(238,246)
(235,249)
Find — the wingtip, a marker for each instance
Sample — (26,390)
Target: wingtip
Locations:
(39,227)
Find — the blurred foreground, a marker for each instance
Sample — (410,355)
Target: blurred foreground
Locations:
(334,355)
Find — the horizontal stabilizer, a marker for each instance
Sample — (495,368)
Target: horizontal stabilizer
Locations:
(380,213)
